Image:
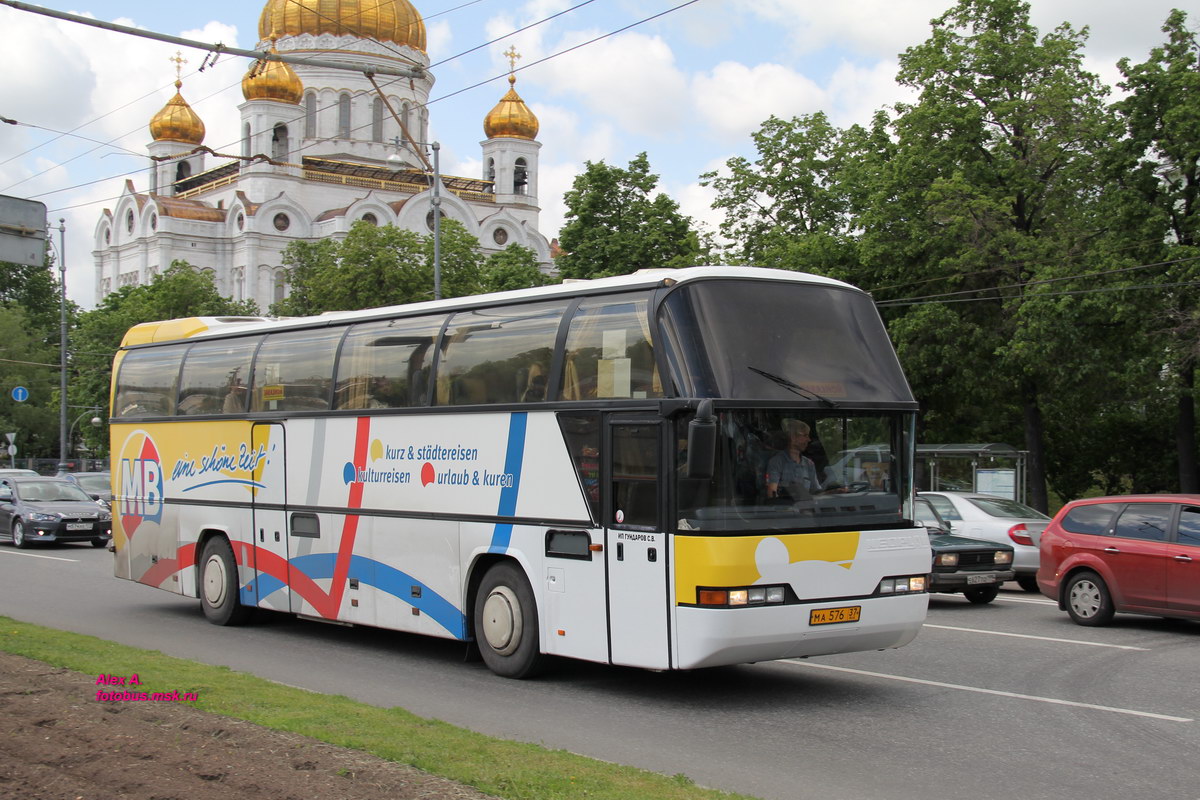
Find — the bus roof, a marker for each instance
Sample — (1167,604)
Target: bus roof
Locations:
(173,330)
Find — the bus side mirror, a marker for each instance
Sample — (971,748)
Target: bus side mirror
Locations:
(702,442)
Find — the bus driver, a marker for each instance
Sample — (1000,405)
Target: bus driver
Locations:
(791,475)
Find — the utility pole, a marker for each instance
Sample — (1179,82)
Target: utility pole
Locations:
(62,378)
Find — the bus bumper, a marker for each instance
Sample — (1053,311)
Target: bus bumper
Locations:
(710,637)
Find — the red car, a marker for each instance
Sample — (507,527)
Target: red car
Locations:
(1136,553)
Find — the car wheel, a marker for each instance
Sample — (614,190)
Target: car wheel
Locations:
(506,623)
(219,585)
(1028,583)
(1088,599)
(982,595)
(18,534)
(99,541)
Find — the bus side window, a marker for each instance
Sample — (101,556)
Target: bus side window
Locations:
(609,353)
(293,370)
(386,364)
(146,382)
(635,476)
(581,432)
(498,355)
(215,376)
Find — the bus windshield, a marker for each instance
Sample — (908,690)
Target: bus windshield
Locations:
(778,341)
(793,470)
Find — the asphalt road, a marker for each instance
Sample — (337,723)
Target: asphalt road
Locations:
(1009,700)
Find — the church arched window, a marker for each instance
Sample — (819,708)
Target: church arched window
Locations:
(520,177)
(310,115)
(183,171)
(344,117)
(280,288)
(491,174)
(246,140)
(377,120)
(279,142)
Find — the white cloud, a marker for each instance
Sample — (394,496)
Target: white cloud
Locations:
(735,99)
(856,92)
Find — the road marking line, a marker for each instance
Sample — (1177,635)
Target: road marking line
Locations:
(998,693)
(35,555)
(1041,638)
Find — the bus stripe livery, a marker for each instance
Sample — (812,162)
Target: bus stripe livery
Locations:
(670,470)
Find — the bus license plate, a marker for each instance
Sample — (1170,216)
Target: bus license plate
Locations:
(832,616)
(985,578)
(79,526)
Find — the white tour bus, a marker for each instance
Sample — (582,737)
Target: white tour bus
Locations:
(646,470)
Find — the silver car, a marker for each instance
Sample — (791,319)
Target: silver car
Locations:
(996,519)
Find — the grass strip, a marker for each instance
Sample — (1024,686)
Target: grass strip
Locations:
(513,770)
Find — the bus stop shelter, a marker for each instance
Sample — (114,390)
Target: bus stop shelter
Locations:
(990,468)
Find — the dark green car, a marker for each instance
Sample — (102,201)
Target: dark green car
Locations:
(972,567)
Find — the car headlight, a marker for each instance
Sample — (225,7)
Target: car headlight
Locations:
(38,517)
(105,517)
(1004,556)
(946,560)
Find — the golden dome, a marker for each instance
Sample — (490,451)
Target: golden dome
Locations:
(384,20)
(176,122)
(511,118)
(272,80)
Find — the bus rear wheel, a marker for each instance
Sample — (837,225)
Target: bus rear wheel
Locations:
(219,584)
(506,623)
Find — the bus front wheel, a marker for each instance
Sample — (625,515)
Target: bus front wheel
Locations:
(219,584)
(506,623)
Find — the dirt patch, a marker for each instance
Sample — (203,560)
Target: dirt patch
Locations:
(57,741)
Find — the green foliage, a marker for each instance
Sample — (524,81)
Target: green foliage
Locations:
(378,266)
(515,267)
(30,362)
(616,225)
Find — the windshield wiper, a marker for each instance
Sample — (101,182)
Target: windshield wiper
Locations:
(792,387)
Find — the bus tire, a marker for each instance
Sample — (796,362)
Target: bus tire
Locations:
(506,623)
(219,584)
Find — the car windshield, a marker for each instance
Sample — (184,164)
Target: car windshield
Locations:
(1003,507)
(93,483)
(51,492)
(793,470)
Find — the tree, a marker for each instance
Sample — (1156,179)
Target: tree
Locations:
(790,208)
(377,266)
(180,291)
(515,267)
(988,188)
(29,361)
(616,225)
(1162,117)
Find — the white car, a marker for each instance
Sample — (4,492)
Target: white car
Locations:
(996,519)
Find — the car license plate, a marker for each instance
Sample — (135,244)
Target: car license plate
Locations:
(832,616)
(986,577)
(79,526)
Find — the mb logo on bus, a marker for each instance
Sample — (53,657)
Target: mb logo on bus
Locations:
(141,482)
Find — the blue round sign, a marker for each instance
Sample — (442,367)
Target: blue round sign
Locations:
(20,394)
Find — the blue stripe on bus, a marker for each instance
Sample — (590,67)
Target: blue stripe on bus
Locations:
(513,459)
(373,573)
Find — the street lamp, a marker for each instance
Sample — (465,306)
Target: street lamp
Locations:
(436,201)
(62,377)
(95,422)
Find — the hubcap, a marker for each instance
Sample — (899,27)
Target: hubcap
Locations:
(1085,598)
(502,621)
(18,534)
(214,581)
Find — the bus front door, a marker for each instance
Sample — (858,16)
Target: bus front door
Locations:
(270,518)
(636,548)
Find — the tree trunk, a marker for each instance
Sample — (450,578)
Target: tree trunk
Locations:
(1185,432)
(1035,446)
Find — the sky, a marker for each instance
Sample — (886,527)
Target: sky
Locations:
(687,86)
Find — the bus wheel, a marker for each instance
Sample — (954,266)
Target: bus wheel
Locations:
(219,584)
(506,623)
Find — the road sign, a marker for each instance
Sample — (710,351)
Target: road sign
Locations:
(22,231)
(20,394)
(12,449)
(12,437)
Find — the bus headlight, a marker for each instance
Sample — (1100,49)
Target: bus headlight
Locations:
(902,585)
(748,596)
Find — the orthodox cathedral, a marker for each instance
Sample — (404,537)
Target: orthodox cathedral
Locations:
(320,150)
